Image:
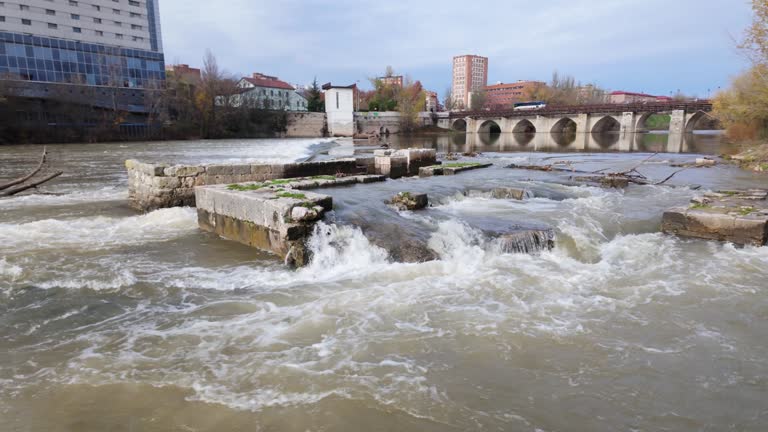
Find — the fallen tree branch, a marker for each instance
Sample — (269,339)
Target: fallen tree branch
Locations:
(22,188)
(670,177)
(28,176)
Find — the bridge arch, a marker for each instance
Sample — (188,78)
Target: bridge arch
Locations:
(489,127)
(459,125)
(694,120)
(524,127)
(565,125)
(640,124)
(607,124)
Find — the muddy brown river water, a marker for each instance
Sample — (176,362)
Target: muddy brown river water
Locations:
(116,321)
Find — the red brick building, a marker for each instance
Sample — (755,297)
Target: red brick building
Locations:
(394,81)
(622,97)
(184,73)
(502,95)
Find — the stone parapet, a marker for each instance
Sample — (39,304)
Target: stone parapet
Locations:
(155,186)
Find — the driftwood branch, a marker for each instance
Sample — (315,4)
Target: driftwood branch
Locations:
(21,180)
(36,183)
(26,182)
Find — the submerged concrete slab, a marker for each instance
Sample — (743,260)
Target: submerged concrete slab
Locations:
(739,217)
(451,168)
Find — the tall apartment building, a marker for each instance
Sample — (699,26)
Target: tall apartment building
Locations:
(114,43)
(470,74)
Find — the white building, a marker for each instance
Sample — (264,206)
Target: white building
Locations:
(268,92)
(340,109)
(94,42)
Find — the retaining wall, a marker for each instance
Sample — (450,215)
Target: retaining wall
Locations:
(306,125)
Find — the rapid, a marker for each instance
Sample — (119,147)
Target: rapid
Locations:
(114,320)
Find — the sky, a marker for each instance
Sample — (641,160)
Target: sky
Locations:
(651,46)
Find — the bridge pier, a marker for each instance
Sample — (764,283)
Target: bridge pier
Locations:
(627,123)
(677,124)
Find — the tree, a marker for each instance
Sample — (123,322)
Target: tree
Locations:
(411,100)
(743,108)
(478,100)
(215,84)
(386,93)
(448,101)
(314,98)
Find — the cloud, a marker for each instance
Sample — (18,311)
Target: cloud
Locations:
(654,44)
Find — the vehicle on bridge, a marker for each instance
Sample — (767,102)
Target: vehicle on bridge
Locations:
(521,106)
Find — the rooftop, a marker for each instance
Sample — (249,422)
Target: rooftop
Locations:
(261,80)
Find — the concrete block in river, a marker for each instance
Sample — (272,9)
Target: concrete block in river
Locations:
(263,218)
(416,159)
(739,217)
(392,167)
(409,201)
(450,169)
(527,241)
(509,193)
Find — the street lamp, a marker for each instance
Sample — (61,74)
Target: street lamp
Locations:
(357,90)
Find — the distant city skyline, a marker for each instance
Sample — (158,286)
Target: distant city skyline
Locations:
(649,46)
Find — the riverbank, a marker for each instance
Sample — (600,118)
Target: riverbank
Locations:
(753,157)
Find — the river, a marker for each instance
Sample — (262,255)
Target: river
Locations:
(116,321)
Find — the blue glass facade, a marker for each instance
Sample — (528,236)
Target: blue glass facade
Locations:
(45,59)
(152,24)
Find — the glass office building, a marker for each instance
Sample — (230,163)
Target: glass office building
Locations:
(95,42)
(35,58)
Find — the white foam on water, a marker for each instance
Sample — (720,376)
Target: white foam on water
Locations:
(9,273)
(64,198)
(275,150)
(99,232)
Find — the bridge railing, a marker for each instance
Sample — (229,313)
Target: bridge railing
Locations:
(703,105)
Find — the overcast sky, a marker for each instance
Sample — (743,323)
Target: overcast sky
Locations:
(654,46)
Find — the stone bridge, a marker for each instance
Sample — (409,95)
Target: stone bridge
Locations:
(614,118)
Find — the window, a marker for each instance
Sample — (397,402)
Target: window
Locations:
(26,21)
(118,36)
(118,23)
(52,26)
(2,19)
(134,3)
(97,20)
(337,100)
(50,12)
(23,7)
(116,11)
(77,29)
(75,16)
(97,7)
(99,33)
(135,15)
(72,3)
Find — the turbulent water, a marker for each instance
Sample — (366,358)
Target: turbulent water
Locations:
(115,321)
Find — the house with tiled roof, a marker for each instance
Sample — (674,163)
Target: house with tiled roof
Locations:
(268,92)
